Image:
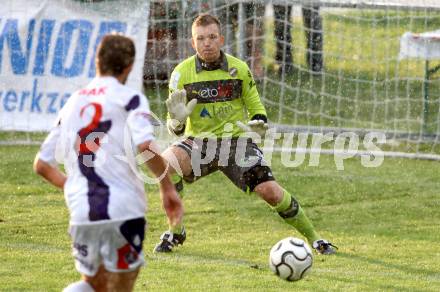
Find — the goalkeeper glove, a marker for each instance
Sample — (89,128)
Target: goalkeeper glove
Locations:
(179,109)
(257,126)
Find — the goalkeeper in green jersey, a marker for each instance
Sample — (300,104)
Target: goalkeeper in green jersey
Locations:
(213,101)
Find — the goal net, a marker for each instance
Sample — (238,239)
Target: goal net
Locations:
(325,67)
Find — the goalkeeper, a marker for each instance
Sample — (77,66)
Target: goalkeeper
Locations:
(211,96)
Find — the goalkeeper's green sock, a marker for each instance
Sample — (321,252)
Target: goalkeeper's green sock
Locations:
(292,213)
(177,180)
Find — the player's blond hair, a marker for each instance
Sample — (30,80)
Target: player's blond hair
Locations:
(205,20)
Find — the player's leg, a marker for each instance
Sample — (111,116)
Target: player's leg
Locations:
(85,250)
(80,286)
(181,155)
(312,22)
(122,281)
(254,28)
(287,207)
(290,210)
(258,178)
(185,156)
(122,256)
(283,37)
(98,281)
(109,281)
(105,281)
(178,157)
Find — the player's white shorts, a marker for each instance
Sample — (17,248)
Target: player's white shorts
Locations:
(116,245)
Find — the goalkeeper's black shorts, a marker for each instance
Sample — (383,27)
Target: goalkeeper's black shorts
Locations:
(238,158)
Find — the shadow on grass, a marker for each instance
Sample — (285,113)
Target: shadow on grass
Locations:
(403,268)
(202,212)
(204,258)
(369,284)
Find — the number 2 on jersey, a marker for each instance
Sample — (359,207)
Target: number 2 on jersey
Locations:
(89,137)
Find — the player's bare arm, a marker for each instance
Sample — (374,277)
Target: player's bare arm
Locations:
(170,199)
(50,173)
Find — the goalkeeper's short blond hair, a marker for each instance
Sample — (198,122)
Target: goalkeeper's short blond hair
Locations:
(205,20)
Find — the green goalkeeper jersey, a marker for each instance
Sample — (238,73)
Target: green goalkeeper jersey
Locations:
(224,96)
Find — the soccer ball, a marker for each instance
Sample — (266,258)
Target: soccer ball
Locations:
(291,259)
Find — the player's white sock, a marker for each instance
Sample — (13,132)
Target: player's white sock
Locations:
(80,286)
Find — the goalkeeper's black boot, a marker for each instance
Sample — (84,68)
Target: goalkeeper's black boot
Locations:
(168,240)
(322,246)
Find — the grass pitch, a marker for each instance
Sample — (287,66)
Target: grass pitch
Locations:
(385,221)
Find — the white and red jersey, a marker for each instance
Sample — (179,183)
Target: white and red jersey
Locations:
(97,130)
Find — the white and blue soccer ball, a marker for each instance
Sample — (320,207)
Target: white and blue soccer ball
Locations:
(291,259)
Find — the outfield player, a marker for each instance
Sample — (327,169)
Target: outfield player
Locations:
(104,194)
(211,96)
